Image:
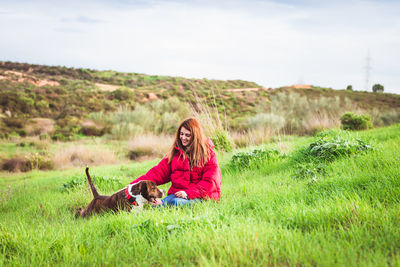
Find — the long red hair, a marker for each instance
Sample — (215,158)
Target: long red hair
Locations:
(198,150)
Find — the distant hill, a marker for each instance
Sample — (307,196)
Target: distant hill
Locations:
(36,91)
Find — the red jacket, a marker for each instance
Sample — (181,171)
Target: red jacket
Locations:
(204,182)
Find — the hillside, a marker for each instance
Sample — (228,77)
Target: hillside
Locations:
(69,98)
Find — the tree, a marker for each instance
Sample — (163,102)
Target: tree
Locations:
(349,88)
(377,88)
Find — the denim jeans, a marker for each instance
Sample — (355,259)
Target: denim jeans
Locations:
(173,200)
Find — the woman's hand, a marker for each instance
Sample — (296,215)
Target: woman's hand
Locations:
(181,194)
(156,202)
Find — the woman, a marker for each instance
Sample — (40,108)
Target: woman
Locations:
(191,166)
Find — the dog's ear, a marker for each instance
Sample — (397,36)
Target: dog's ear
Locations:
(137,188)
(146,189)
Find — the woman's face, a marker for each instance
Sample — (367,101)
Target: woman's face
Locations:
(185,136)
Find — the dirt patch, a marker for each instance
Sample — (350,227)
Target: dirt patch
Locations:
(20,77)
(303,86)
(246,89)
(17,73)
(153,96)
(107,87)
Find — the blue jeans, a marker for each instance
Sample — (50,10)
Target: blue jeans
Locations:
(172,200)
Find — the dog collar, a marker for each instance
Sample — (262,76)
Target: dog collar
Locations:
(131,199)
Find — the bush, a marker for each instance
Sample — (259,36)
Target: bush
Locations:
(22,133)
(40,161)
(14,122)
(254,159)
(91,131)
(377,88)
(15,165)
(123,95)
(59,137)
(271,121)
(32,161)
(43,136)
(222,141)
(351,121)
(330,148)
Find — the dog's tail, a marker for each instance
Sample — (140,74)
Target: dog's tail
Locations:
(92,187)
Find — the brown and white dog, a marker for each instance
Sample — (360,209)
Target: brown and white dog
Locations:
(133,195)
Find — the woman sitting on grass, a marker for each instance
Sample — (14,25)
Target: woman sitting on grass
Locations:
(191,166)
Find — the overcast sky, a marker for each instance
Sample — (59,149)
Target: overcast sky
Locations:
(273,43)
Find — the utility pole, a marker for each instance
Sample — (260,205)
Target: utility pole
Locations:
(367,71)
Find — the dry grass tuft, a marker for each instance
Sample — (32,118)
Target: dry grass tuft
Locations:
(253,137)
(80,155)
(317,123)
(149,145)
(37,126)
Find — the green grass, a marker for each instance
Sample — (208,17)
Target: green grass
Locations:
(348,215)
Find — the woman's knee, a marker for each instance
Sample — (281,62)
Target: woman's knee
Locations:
(167,200)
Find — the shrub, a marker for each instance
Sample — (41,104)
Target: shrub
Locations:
(351,121)
(14,122)
(91,131)
(59,137)
(16,164)
(271,121)
(4,135)
(22,133)
(141,117)
(40,161)
(167,123)
(42,106)
(222,141)
(43,136)
(377,88)
(329,148)
(124,94)
(123,131)
(32,161)
(254,159)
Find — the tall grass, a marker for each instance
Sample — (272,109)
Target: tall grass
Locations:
(160,117)
(292,113)
(80,155)
(150,145)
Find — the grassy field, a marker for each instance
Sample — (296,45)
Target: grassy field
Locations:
(289,210)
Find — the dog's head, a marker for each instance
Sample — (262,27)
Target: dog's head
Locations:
(148,190)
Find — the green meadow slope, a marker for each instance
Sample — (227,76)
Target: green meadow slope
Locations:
(327,200)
